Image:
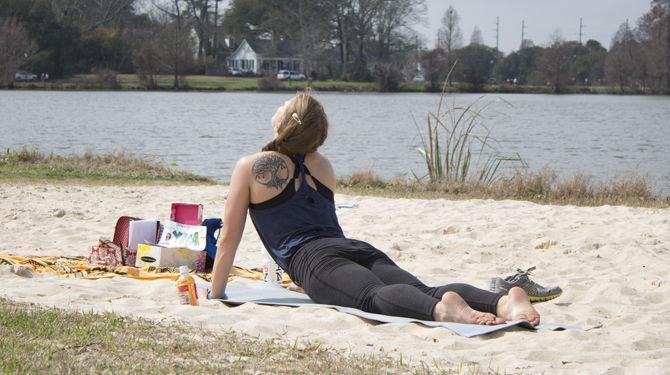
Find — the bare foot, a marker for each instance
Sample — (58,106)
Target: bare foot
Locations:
(516,306)
(452,308)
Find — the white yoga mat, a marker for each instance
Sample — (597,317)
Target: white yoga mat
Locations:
(242,291)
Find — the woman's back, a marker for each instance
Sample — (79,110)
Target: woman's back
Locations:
(288,207)
(272,171)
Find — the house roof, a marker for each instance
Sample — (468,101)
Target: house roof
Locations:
(269,48)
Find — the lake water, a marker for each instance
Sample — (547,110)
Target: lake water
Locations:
(206,133)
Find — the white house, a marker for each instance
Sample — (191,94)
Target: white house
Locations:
(264,58)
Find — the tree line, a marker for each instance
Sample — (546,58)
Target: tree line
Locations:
(360,40)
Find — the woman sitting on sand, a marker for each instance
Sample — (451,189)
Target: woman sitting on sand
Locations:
(288,190)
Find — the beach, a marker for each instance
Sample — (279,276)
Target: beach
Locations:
(612,263)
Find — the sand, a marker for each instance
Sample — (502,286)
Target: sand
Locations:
(612,263)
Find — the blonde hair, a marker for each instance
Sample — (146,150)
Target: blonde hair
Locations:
(302,129)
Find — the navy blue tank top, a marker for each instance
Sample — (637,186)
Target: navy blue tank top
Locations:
(293,218)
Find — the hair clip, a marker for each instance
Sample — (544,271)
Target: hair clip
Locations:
(296,118)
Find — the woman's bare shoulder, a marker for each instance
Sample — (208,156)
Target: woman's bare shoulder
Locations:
(262,157)
(321,168)
(319,161)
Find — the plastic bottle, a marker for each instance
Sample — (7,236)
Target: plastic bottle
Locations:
(265,267)
(272,273)
(186,289)
(279,274)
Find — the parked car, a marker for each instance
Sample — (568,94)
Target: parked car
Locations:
(419,77)
(491,81)
(290,75)
(23,76)
(235,72)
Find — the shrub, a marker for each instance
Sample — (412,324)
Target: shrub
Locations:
(106,78)
(270,84)
(387,77)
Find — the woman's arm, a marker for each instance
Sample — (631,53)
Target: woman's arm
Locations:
(234,219)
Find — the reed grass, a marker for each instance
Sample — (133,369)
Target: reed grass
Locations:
(33,164)
(540,187)
(457,146)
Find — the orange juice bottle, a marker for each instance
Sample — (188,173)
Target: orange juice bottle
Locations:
(186,290)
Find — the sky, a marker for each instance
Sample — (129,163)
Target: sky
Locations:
(601,19)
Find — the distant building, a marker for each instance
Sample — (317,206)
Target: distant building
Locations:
(262,57)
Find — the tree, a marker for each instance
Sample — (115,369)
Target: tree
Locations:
(175,39)
(434,63)
(395,18)
(522,65)
(476,37)
(15,49)
(555,62)
(654,33)
(364,15)
(88,15)
(476,63)
(621,65)
(449,36)
(198,12)
(147,55)
(307,25)
(589,65)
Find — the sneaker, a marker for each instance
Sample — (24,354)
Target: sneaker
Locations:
(535,291)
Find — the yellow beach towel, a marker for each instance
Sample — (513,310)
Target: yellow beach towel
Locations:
(77,267)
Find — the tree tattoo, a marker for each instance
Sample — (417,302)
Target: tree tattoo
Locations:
(271,171)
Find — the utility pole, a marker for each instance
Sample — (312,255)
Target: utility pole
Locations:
(523,32)
(581,28)
(216,31)
(497,33)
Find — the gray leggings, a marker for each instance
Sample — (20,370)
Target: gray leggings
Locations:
(352,273)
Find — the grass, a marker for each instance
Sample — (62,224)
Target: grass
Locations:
(32,164)
(457,147)
(130,82)
(455,134)
(193,82)
(48,340)
(542,187)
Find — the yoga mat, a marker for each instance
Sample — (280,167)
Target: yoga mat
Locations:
(242,291)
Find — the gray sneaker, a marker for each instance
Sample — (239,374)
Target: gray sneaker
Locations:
(535,291)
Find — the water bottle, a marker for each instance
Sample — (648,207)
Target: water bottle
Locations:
(186,288)
(272,273)
(279,274)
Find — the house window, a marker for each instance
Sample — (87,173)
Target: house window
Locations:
(252,65)
(296,66)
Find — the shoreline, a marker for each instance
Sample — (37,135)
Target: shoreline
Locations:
(30,166)
(201,83)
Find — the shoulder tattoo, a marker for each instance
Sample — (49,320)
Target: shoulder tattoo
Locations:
(271,171)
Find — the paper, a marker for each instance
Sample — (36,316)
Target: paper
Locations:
(192,237)
(142,231)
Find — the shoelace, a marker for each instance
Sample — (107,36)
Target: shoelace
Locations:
(527,272)
(520,273)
